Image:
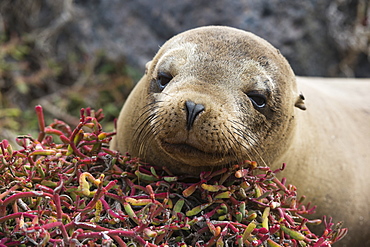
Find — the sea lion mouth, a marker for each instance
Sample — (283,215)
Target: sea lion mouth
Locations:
(183,148)
(193,156)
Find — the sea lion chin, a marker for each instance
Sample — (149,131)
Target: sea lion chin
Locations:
(216,96)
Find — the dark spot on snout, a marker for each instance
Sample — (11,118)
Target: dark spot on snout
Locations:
(192,110)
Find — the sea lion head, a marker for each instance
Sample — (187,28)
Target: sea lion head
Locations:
(212,96)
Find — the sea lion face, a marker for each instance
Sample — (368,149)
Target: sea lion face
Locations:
(214,97)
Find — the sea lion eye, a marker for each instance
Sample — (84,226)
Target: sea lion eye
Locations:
(163,79)
(258,100)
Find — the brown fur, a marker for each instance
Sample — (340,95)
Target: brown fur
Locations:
(217,67)
(329,160)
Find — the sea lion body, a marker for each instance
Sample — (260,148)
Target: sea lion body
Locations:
(329,159)
(215,96)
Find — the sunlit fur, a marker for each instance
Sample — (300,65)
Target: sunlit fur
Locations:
(326,148)
(216,67)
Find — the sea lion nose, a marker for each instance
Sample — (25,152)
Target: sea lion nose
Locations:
(192,110)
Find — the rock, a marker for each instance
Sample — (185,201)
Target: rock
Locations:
(306,32)
(319,38)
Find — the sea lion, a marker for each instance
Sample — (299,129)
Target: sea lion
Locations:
(215,96)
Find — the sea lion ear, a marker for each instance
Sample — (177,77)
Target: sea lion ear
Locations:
(147,65)
(300,102)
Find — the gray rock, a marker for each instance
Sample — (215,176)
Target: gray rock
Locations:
(319,38)
(306,32)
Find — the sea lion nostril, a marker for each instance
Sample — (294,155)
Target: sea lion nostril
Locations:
(193,111)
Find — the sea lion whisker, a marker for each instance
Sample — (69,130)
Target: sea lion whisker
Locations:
(150,107)
(154,130)
(150,104)
(149,130)
(238,144)
(150,110)
(231,151)
(228,143)
(254,148)
(147,118)
(149,134)
(140,133)
(244,131)
(145,121)
(243,134)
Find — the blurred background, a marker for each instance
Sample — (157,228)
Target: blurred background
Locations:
(66,54)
